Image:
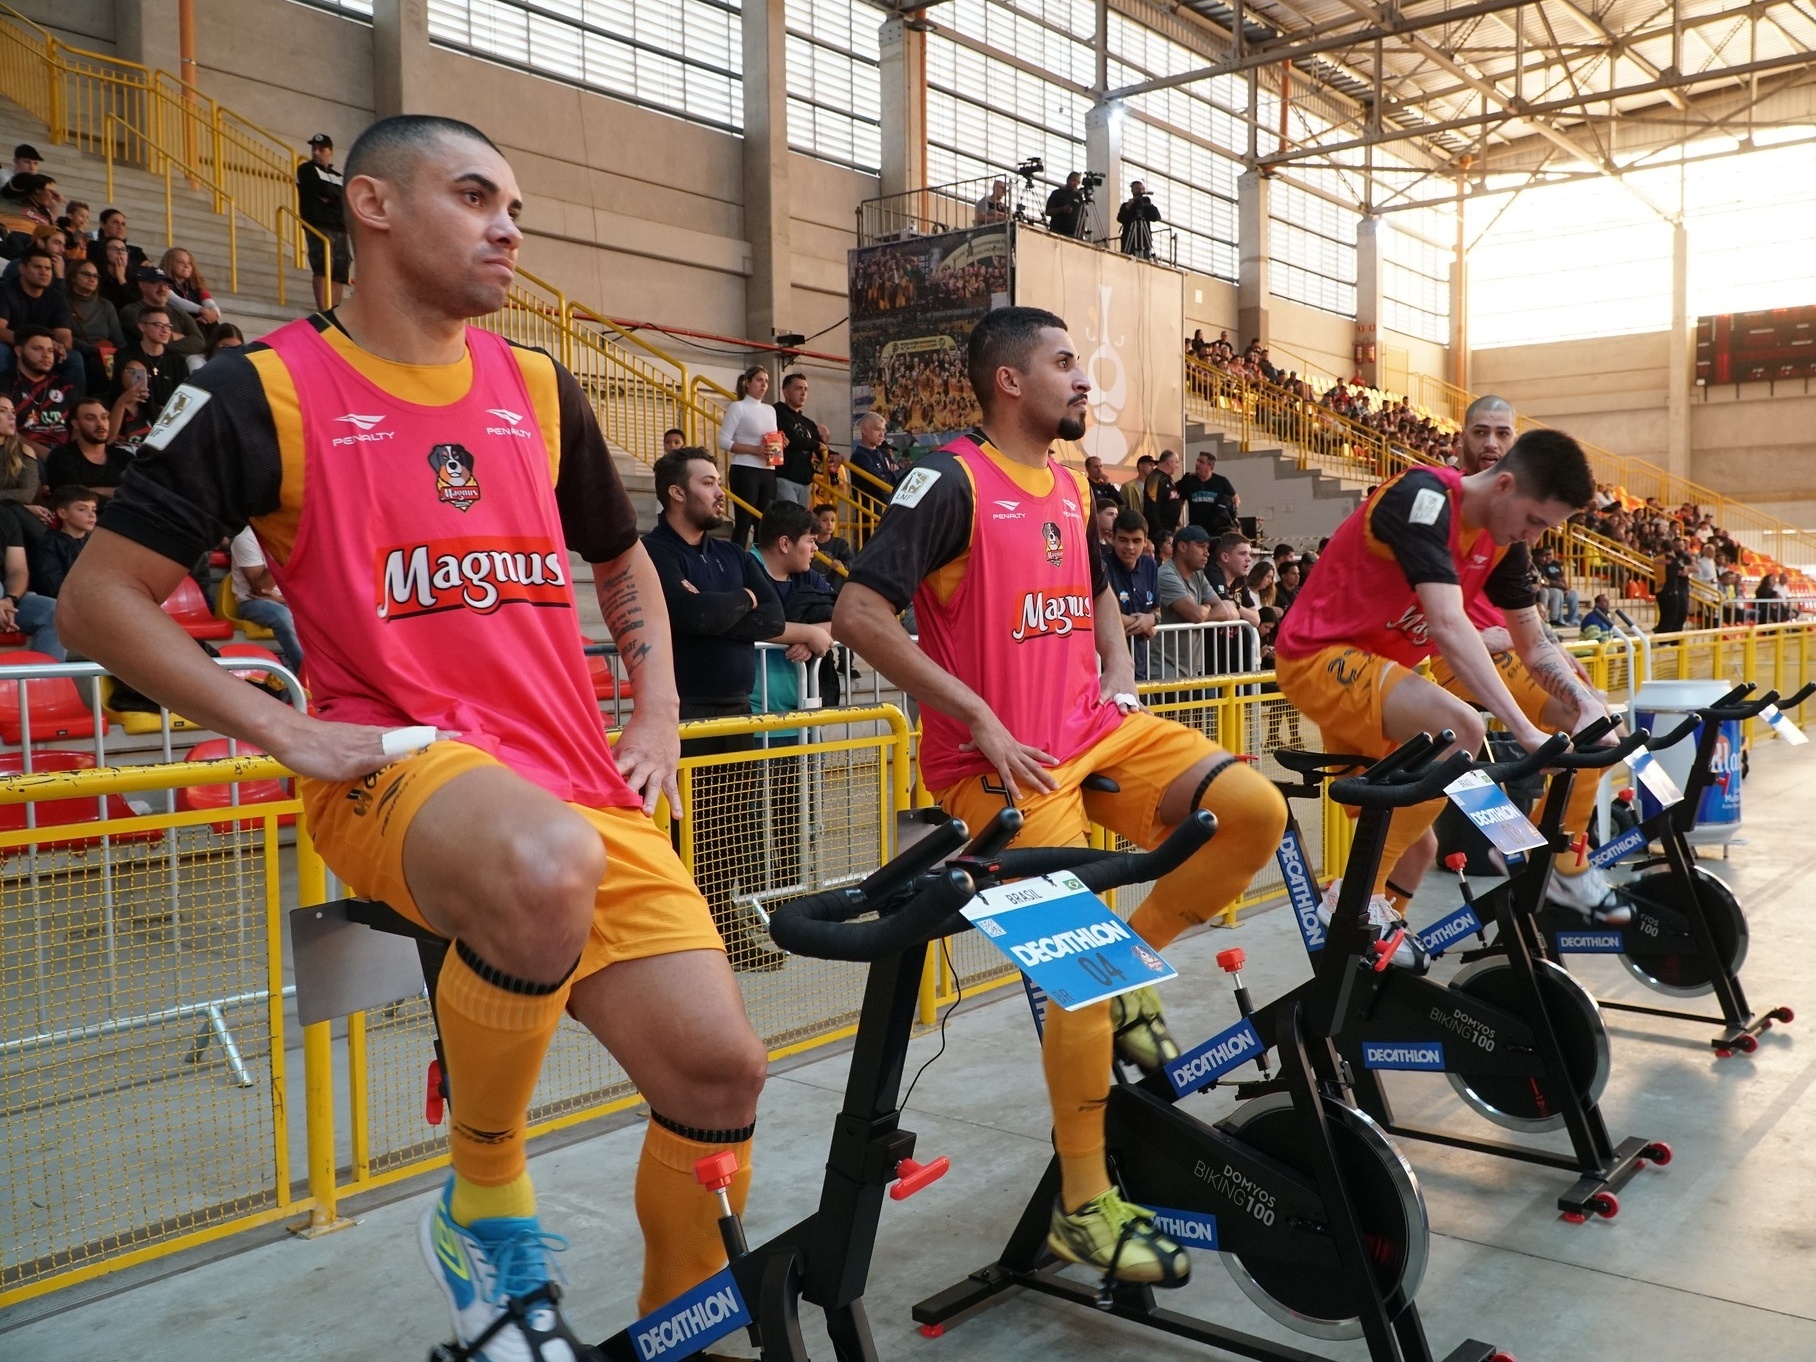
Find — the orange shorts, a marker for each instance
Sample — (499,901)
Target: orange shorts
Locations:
(1144,755)
(1526,692)
(646,904)
(1343,690)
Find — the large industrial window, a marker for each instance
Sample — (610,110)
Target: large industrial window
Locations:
(834,105)
(1415,273)
(1313,245)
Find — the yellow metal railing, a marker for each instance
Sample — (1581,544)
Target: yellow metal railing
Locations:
(171,163)
(298,243)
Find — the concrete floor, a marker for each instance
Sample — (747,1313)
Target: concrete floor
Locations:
(1712,1256)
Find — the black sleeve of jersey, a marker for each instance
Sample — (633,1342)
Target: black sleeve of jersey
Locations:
(1513,585)
(217,471)
(597,517)
(912,541)
(1422,550)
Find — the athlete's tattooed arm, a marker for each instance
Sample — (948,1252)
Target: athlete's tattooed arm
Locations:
(630,601)
(1554,670)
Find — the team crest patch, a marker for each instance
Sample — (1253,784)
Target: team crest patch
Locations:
(1056,549)
(455,481)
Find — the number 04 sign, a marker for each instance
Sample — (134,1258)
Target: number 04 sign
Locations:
(1066,939)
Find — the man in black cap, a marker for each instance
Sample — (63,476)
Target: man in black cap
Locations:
(185,336)
(25,162)
(318,201)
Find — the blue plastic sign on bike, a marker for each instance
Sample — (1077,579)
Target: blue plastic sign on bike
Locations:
(1066,939)
(1487,806)
(691,1320)
(1783,727)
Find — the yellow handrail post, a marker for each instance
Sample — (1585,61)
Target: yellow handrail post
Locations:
(54,82)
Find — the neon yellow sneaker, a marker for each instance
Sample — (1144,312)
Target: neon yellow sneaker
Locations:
(1119,1239)
(1141,1031)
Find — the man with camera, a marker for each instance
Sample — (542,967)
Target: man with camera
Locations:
(1066,207)
(1137,218)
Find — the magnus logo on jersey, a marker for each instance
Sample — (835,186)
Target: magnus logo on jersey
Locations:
(455,481)
(1056,549)
(469,574)
(1051,612)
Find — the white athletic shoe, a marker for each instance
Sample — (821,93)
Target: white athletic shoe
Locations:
(1589,894)
(1386,920)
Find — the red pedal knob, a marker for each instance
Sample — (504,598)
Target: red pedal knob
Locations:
(1626,795)
(1456,861)
(1249,758)
(910,1176)
(1231,960)
(1580,845)
(716,1171)
(433,1105)
(1384,950)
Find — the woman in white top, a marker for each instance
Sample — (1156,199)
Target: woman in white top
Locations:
(750,436)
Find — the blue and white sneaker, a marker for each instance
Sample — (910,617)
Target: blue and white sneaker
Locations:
(501,1286)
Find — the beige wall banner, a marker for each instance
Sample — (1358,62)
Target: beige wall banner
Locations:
(1127,319)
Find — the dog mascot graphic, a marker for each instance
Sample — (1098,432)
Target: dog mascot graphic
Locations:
(455,481)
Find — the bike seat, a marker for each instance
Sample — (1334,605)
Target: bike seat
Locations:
(1320,763)
(1100,783)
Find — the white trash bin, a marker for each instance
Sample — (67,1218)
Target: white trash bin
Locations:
(1660,706)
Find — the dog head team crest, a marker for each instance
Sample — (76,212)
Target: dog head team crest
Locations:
(1056,553)
(455,481)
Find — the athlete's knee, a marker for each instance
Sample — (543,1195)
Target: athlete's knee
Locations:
(719,1079)
(1470,728)
(1250,811)
(549,873)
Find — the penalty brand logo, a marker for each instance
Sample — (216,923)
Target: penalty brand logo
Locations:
(1190,1228)
(690,1322)
(1629,841)
(1427,1056)
(1591,943)
(366,428)
(512,423)
(1290,855)
(1216,1057)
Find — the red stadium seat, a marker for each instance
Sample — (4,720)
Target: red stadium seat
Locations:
(266,791)
(189,608)
(53,813)
(56,710)
(11,640)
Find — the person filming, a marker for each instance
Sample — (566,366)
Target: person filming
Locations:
(1137,218)
(1066,207)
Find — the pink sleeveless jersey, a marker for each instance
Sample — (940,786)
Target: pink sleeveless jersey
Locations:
(1358,595)
(429,578)
(1018,629)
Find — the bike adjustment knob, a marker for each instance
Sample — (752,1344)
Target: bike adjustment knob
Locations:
(1231,960)
(716,1171)
(1456,861)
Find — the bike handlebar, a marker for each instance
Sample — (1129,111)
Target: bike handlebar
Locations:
(1749,709)
(820,926)
(1675,736)
(1389,785)
(1586,756)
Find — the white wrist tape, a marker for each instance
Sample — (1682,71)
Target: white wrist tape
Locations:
(400,742)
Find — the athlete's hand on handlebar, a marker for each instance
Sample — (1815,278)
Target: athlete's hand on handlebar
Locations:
(1023,769)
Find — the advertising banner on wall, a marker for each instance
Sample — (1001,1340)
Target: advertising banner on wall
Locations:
(913,304)
(1127,319)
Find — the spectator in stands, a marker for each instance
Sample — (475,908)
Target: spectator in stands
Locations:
(992,207)
(1188,597)
(1065,207)
(129,419)
(1135,487)
(22,520)
(188,291)
(113,228)
(750,436)
(1231,558)
(832,544)
(1210,498)
(1671,570)
(38,198)
(831,479)
(93,321)
(164,367)
(672,439)
(1554,585)
(720,604)
(226,336)
(1137,218)
(117,283)
(1770,605)
(41,396)
(1598,622)
(45,239)
(86,459)
(49,560)
(320,203)
(257,597)
(1103,491)
(1105,515)
(1160,499)
(74,223)
(1288,578)
(872,453)
(1161,548)
(1263,589)
(786,540)
(23,610)
(184,336)
(1704,569)
(25,162)
(31,300)
(794,475)
(1135,578)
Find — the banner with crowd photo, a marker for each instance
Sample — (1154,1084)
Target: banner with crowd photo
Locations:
(1126,317)
(913,305)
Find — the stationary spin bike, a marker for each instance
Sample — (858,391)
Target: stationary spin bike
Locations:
(1318,1218)
(1688,936)
(1520,1041)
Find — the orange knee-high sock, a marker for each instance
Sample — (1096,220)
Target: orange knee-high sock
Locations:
(680,1218)
(1407,827)
(1075,1053)
(1251,815)
(495,1031)
(1577,814)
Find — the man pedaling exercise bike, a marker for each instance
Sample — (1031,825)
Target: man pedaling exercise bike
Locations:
(993,543)
(1404,579)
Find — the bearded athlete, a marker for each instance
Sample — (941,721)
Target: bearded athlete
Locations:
(1488,433)
(417,485)
(1396,587)
(992,541)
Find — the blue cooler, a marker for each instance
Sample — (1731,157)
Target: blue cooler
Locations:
(1660,706)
